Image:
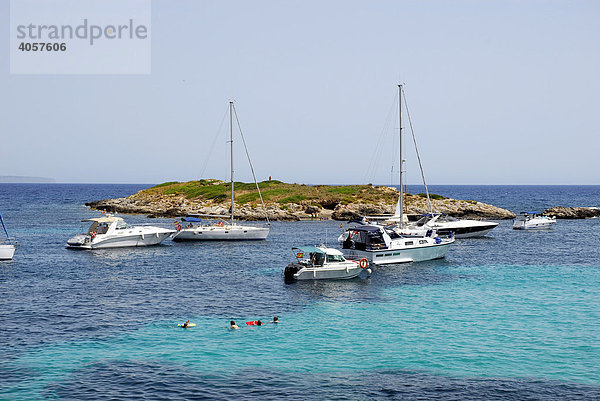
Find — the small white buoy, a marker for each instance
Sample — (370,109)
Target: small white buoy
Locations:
(369,271)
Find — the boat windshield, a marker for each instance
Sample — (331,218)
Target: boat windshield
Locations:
(423,220)
(446,219)
(335,258)
(121,225)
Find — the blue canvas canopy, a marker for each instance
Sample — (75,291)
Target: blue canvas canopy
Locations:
(308,249)
(529,212)
(192,219)
(365,228)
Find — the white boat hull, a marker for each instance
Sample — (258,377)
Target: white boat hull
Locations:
(389,256)
(121,240)
(7,251)
(328,273)
(533,225)
(222,233)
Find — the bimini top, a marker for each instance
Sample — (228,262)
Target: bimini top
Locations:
(307,249)
(104,219)
(365,228)
(529,213)
(192,219)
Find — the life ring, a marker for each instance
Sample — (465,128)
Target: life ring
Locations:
(93,234)
(364,263)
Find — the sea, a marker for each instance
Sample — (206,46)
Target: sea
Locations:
(511,316)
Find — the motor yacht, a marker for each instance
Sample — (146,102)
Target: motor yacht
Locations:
(320,263)
(112,232)
(532,221)
(384,245)
(447,225)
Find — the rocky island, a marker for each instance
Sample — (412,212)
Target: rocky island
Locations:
(284,201)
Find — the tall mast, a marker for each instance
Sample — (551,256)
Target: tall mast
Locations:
(231,152)
(401,199)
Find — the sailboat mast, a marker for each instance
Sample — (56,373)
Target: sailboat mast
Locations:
(231,152)
(401,199)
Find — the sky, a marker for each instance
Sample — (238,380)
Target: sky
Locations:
(499,92)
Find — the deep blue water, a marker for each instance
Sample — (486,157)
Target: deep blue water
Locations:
(515,315)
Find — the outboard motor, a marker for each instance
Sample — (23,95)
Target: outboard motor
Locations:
(290,270)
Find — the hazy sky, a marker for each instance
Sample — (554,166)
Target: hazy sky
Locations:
(500,92)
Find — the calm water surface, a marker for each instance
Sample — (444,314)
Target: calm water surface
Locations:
(514,315)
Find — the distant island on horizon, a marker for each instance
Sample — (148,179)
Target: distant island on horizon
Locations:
(24,179)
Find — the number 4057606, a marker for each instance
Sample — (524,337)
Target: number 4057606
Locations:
(49,47)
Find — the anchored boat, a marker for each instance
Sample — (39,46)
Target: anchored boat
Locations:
(319,263)
(396,243)
(112,232)
(7,247)
(191,231)
(532,221)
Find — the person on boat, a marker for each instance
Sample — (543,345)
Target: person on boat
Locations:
(186,324)
(275,319)
(233,326)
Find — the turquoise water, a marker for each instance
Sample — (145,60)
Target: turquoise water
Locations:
(76,323)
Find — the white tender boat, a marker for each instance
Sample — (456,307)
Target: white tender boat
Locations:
(7,248)
(230,231)
(532,221)
(112,232)
(193,229)
(321,263)
(447,225)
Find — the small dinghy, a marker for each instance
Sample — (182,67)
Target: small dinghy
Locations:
(321,263)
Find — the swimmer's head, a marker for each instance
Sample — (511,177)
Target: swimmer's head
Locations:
(258,323)
(232,323)
(275,319)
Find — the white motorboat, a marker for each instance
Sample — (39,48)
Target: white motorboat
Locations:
(225,231)
(193,229)
(460,228)
(532,221)
(112,232)
(383,245)
(7,247)
(321,263)
(396,243)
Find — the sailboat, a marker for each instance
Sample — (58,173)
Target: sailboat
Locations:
(194,230)
(394,243)
(7,248)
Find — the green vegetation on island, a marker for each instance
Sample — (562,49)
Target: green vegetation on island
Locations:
(274,191)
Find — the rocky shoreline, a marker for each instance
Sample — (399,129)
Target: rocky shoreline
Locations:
(175,205)
(561,212)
